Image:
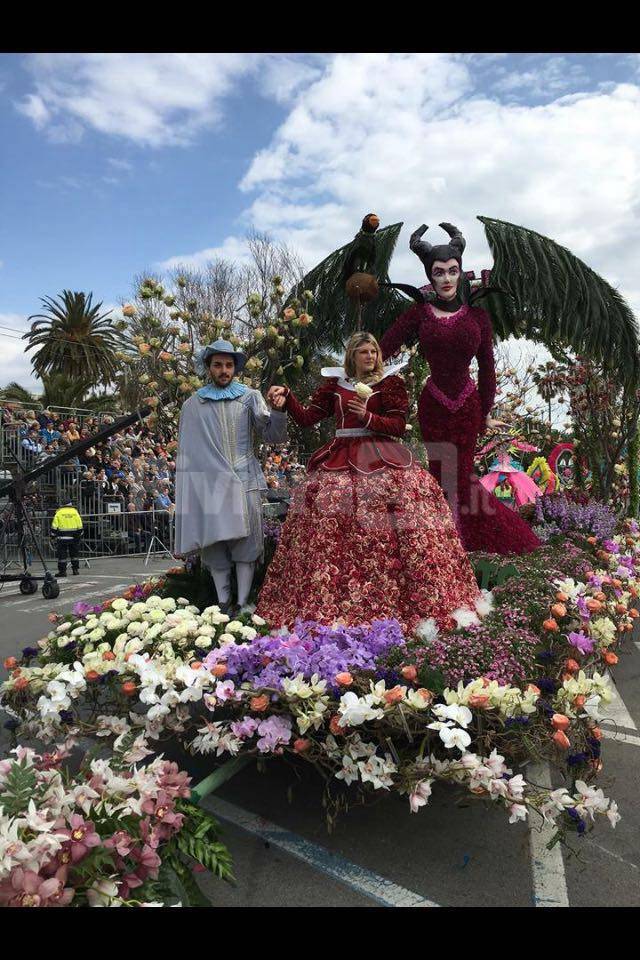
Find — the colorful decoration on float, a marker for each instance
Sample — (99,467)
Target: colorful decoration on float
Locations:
(543,476)
(506,474)
(561,462)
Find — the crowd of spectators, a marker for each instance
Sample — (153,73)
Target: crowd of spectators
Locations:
(135,469)
(281,468)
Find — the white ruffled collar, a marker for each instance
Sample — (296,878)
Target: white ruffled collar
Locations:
(343,382)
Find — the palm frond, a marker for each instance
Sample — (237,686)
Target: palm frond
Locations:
(334,314)
(548,294)
(73,338)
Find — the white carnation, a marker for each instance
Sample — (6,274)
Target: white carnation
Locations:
(427,630)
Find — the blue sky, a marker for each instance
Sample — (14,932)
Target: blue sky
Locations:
(111,164)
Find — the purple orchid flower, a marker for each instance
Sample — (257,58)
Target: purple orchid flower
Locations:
(583,643)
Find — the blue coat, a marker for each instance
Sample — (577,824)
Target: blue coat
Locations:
(216,466)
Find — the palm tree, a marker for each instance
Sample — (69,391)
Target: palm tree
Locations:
(73,338)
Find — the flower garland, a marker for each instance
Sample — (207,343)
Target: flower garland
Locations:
(366,705)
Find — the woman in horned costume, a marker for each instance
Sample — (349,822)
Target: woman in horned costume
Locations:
(453,411)
(369,535)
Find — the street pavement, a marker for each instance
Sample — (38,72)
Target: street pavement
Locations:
(380,854)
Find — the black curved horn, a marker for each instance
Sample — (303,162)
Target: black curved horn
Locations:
(421,248)
(457,240)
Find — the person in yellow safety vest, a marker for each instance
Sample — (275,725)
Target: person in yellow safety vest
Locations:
(66,527)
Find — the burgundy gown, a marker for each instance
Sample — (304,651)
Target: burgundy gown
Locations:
(452,413)
(369,535)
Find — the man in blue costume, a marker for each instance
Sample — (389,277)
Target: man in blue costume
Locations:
(218,478)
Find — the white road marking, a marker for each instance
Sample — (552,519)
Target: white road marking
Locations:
(360,879)
(616,711)
(547,866)
(620,736)
(112,576)
(614,855)
(55,605)
(66,589)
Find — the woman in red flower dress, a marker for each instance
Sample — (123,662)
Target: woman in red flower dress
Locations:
(369,535)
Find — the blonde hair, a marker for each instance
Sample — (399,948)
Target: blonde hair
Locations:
(355,341)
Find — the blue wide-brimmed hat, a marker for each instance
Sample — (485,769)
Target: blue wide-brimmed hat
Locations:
(204,354)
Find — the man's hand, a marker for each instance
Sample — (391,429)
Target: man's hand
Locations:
(359,408)
(276,397)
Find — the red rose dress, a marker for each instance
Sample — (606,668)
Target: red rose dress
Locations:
(369,534)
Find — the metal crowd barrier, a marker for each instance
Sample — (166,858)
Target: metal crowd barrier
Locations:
(132,533)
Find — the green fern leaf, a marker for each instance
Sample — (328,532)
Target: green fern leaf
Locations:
(19,788)
(551,296)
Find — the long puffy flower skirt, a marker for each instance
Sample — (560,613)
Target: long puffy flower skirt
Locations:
(362,547)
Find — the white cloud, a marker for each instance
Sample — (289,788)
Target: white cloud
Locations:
(283,77)
(411,138)
(15,364)
(119,164)
(233,248)
(35,108)
(548,77)
(153,99)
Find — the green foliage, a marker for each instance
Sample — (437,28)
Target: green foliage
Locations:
(200,840)
(180,880)
(334,314)
(74,339)
(492,573)
(19,788)
(550,296)
(16,393)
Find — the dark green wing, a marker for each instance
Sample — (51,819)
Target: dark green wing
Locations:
(334,316)
(547,294)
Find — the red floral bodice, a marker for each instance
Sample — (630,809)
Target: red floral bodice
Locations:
(387,410)
(449,344)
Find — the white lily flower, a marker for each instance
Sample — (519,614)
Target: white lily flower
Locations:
(420,795)
(349,771)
